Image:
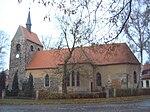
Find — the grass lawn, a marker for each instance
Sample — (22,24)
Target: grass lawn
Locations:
(72,101)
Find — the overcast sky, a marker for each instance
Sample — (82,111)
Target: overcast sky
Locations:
(13,14)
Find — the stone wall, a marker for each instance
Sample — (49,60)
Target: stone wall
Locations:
(19,59)
(88,73)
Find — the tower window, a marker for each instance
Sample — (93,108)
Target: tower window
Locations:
(18,47)
(98,79)
(47,81)
(38,49)
(31,47)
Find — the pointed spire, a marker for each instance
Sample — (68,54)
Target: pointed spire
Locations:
(28,23)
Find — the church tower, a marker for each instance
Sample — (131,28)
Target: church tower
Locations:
(23,46)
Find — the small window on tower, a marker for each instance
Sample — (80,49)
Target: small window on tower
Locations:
(18,47)
(32,49)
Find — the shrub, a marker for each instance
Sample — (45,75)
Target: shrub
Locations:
(45,94)
(123,92)
(132,92)
(87,95)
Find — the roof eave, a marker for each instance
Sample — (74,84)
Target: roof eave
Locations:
(41,68)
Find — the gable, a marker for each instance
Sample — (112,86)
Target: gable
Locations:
(31,36)
(19,34)
(22,33)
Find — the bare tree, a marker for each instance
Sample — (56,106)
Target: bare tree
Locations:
(102,16)
(137,30)
(83,22)
(46,41)
(49,43)
(148,51)
(78,25)
(3,48)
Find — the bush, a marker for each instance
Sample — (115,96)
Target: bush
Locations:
(88,95)
(45,94)
(132,92)
(124,92)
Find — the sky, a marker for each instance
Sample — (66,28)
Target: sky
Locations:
(14,14)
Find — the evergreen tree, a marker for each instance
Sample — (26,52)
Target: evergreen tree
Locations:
(15,86)
(30,84)
(2,81)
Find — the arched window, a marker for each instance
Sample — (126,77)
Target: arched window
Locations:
(47,81)
(147,83)
(18,47)
(73,79)
(31,47)
(134,77)
(98,79)
(142,83)
(68,79)
(78,78)
(38,49)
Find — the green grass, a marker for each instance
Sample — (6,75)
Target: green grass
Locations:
(71,101)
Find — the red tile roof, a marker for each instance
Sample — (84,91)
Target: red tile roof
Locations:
(31,36)
(97,55)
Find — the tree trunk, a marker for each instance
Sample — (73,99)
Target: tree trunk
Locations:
(141,67)
(64,78)
(65,74)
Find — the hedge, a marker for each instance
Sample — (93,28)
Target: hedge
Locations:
(45,94)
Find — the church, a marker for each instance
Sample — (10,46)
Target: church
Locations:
(91,68)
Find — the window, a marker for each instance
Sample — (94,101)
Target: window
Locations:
(73,79)
(134,77)
(142,83)
(47,80)
(147,83)
(78,78)
(68,80)
(38,49)
(31,47)
(98,79)
(18,47)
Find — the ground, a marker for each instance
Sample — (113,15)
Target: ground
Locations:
(138,106)
(120,104)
